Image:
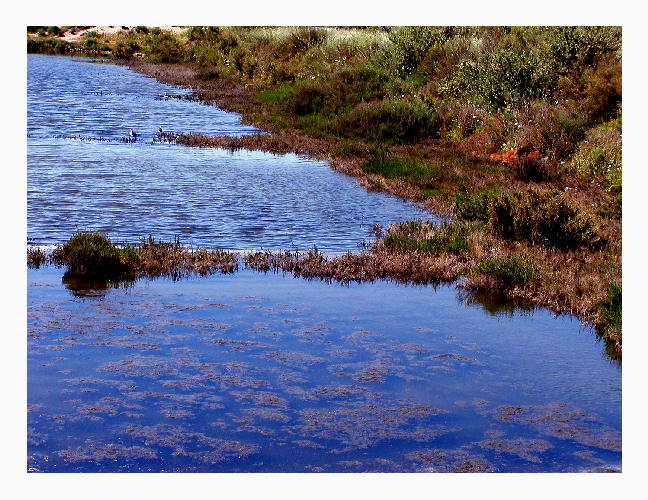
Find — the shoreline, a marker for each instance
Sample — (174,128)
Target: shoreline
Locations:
(449,178)
(239,99)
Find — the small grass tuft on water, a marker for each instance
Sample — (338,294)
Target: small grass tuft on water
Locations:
(92,255)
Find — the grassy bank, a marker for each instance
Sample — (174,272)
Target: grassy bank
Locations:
(514,132)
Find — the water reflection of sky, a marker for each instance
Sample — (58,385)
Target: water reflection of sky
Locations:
(253,372)
(207,197)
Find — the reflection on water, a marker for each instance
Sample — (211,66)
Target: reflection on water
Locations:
(83,287)
(207,197)
(495,304)
(256,373)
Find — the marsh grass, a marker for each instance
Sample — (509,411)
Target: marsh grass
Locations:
(507,272)
(36,257)
(476,206)
(611,307)
(94,256)
(426,176)
(426,238)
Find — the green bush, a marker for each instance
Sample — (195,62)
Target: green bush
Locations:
(508,272)
(411,44)
(340,91)
(574,47)
(307,98)
(92,255)
(47,46)
(125,50)
(396,121)
(92,43)
(543,219)
(54,31)
(162,47)
(600,155)
(503,80)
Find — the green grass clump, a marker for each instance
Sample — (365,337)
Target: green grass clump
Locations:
(611,317)
(278,95)
(92,255)
(508,272)
(543,219)
(475,206)
(427,177)
(447,238)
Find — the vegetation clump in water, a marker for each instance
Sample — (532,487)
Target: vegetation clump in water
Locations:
(93,255)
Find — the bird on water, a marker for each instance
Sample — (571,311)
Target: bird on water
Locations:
(131,133)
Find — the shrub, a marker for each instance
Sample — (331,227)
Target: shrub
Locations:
(91,43)
(507,272)
(54,31)
(574,47)
(300,40)
(600,99)
(531,169)
(307,98)
(554,130)
(162,47)
(600,155)
(125,50)
(505,79)
(340,91)
(543,219)
(92,255)
(47,46)
(388,121)
(411,45)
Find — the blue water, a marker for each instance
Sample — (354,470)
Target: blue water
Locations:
(256,372)
(81,176)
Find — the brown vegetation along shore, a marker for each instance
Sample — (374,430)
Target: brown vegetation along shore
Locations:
(514,133)
(418,253)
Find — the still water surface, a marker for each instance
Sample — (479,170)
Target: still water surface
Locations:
(266,373)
